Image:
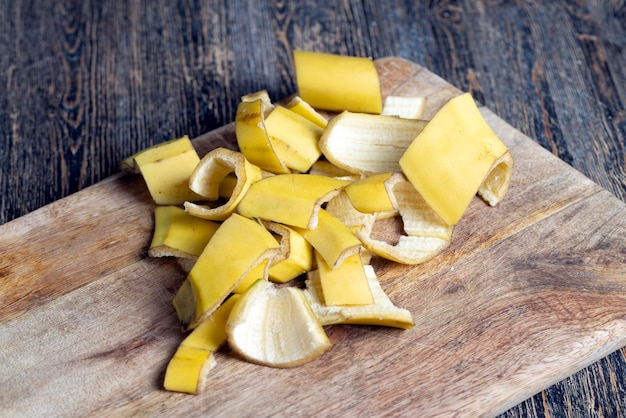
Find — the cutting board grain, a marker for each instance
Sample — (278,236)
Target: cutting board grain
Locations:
(528,293)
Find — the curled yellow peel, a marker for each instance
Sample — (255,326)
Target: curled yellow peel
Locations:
(362,143)
(238,246)
(166,169)
(186,371)
(275,327)
(179,234)
(342,208)
(424,233)
(296,254)
(252,138)
(291,199)
(210,172)
(335,82)
(332,239)
(328,169)
(296,104)
(370,195)
(294,138)
(345,285)
(380,312)
(454,154)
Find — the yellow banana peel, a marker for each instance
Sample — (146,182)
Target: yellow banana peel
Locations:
(166,169)
(187,369)
(224,262)
(453,156)
(296,254)
(296,104)
(295,139)
(179,234)
(337,83)
(252,138)
(209,174)
(370,194)
(363,143)
(381,312)
(345,285)
(332,239)
(290,199)
(275,327)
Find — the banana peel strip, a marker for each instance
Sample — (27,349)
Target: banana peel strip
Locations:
(296,254)
(166,169)
(252,138)
(456,155)
(209,174)
(333,240)
(276,327)
(179,234)
(295,139)
(366,144)
(426,233)
(187,370)
(290,199)
(381,312)
(346,284)
(226,260)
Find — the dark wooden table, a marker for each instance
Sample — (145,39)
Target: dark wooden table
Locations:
(84,84)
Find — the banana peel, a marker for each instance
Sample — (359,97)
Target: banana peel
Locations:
(290,199)
(166,169)
(275,327)
(453,156)
(209,174)
(187,369)
(225,261)
(368,144)
(381,312)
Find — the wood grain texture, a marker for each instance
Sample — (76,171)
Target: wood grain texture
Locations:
(527,293)
(84,84)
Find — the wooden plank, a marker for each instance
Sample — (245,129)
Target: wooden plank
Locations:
(527,293)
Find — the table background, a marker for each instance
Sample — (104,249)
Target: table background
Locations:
(84,84)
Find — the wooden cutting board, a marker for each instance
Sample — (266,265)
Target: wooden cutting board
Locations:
(528,293)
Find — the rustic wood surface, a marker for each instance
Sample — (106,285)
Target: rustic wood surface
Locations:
(84,84)
(527,293)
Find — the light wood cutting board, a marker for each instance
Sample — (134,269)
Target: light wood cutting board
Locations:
(528,293)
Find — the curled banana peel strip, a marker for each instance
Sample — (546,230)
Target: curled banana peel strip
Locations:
(381,312)
(224,263)
(332,239)
(295,139)
(278,139)
(275,326)
(302,108)
(252,138)
(337,83)
(179,234)
(290,199)
(371,195)
(296,254)
(344,285)
(365,144)
(449,165)
(210,172)
(166,169)
(187,369)
(424,235)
